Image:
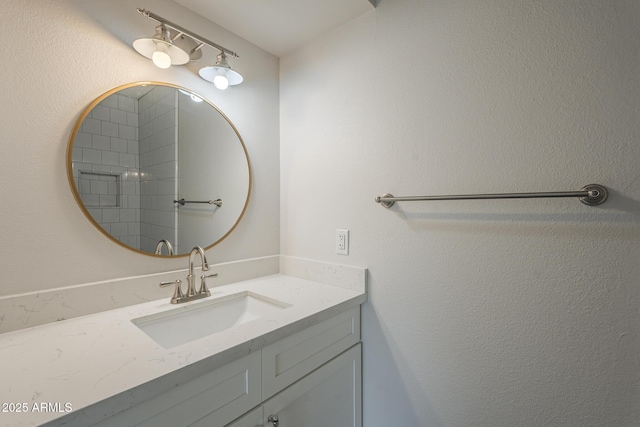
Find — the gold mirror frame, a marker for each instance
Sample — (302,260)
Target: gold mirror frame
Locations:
(76,194)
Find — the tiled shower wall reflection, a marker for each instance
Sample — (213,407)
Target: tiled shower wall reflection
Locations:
(105,167)
(158,167)
(125,165)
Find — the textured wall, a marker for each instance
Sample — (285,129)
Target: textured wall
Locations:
(481,313)
(60,56)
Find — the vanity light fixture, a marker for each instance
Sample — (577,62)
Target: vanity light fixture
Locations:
(160,49)
(221,74)
(185,46)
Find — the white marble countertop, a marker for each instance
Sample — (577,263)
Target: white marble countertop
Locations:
(72,366)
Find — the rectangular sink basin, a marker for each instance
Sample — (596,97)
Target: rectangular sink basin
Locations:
(185,324)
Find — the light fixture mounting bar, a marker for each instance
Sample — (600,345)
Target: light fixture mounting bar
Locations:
(183,30)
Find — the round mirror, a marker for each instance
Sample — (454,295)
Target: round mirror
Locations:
(158,169)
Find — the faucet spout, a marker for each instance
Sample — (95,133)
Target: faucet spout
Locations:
(164,242)
(203,259)
(191,290)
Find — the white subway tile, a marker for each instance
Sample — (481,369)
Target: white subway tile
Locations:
(99,187)
(100,142)
(100,112)
(91,126)
(82,140)
(110,158)
(126,132)
(91,156)
(127,215)
(118,116)
(109,129)
(110,101)
(107,200)
(118,229)
(127,104)
(118,145)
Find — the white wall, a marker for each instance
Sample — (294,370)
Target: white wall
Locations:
(481,313)
(58,56)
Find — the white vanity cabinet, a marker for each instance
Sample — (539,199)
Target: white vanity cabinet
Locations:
(252,418)
(329,396)
(310,378)
(297,355)
(225,392)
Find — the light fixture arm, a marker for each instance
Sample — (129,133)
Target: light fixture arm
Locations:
(182,30)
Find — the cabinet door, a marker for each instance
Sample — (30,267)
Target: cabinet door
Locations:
(251,419)
(329,396)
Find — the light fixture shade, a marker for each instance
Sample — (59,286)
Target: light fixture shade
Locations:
(210,72)
(221,68)
(161,42)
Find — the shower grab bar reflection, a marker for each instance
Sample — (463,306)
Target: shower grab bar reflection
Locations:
(592,195)
(217,202)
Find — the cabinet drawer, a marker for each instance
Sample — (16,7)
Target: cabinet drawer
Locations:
(288,360)
(329,396)
(229,391)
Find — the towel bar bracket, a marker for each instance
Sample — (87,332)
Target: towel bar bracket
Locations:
(597,194)
(384,203)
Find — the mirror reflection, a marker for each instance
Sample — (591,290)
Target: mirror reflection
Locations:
(159,169)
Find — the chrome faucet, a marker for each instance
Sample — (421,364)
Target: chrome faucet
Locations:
(178,297)
(191,290)
(166,243)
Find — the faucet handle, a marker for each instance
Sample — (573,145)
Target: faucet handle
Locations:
(177,293)
(203,284)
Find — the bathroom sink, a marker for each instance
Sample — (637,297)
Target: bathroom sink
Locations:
(191,322)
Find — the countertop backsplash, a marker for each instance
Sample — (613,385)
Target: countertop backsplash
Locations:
(36,308)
